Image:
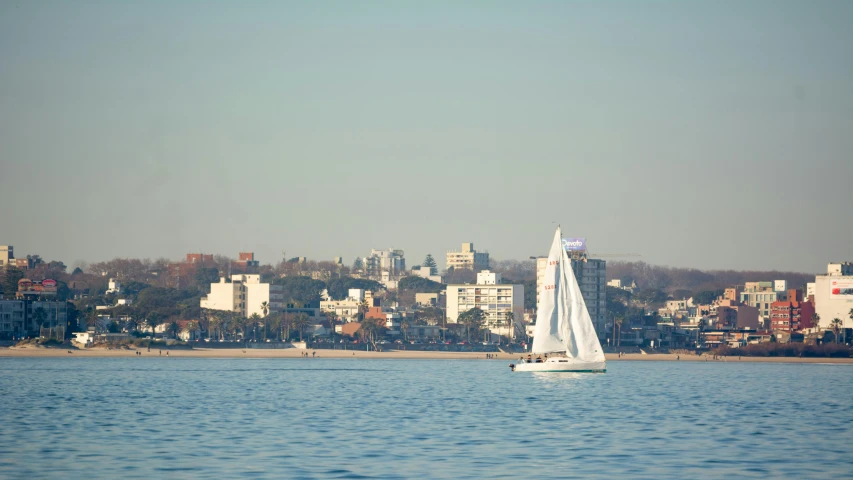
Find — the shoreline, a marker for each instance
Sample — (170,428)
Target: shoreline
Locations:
(42,352)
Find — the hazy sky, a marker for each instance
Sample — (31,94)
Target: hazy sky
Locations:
(709,134)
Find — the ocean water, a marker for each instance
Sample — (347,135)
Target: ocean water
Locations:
(324,418)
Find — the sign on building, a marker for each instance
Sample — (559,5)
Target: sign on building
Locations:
(574,244)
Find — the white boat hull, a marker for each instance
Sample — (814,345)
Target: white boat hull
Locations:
(561,365)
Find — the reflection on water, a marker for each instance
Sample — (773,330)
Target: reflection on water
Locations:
(327,418)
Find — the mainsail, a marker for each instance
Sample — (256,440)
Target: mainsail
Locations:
(562,320)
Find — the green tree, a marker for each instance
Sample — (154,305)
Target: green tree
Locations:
(132,323)
(370,329)
(192,328)
(404,327)
(706,297)
(338,288)
(419,285)
(430,262)
(509,318)
(152,321)
(617,331)
(332,317)
(254,321)
(40,317)
(816,321)
(363,309)
(357,264)
(835,326)
(174,328)
(472,320)
(300,321)
(204,276)
(301,291)
(10,281)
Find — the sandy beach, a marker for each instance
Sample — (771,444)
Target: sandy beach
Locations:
(30,351)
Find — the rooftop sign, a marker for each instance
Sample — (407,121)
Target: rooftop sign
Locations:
(574,244)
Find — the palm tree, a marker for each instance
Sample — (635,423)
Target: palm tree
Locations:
(174,328)
(617,331)
(300,321)
(254,320)
(509,318)
(332,318)
(404,327)
(132,323)
(272,323)
(40,317)
(153,321)
(265,308)
(816,321)
(362,309)
(213,324)
(835,325)
(471,318)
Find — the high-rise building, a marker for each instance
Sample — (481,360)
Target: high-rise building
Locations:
(467,258)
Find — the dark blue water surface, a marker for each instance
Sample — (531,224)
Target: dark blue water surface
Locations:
(324,418)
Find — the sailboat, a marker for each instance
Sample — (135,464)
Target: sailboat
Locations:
(564,333)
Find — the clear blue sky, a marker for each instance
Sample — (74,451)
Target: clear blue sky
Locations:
(707,134)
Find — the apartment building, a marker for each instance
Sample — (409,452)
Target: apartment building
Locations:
(492,297)
(19,318)
(761,295)
(791,315)
(467,258)
(390,262)
(244,294)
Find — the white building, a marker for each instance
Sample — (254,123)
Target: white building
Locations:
(7,254)
(114,286)
(391,261)
(492,297)
(424,272)
(467,258)
(347,310)
(244,294)
(834,294)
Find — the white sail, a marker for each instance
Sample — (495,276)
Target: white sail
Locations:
(563,323)
(552,330)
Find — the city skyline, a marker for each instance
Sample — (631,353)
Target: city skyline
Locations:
(681,132)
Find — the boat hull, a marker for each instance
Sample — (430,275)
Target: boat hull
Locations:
(562,366)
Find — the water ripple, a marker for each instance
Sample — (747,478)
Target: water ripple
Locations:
(328,418)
